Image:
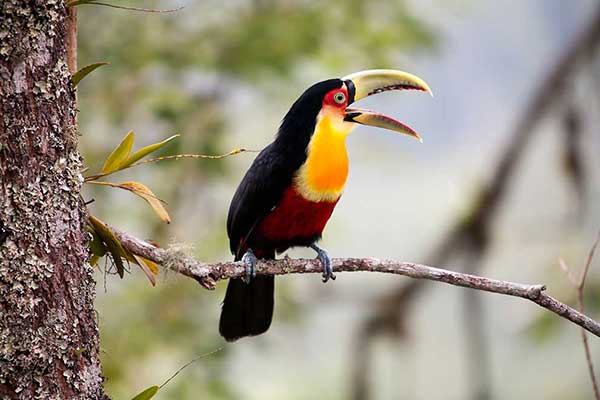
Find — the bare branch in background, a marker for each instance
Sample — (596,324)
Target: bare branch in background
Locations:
(470,237)
(474,229)
(579,285)
(573,160)
(208,274)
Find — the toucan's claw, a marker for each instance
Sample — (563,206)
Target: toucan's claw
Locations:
(249,260)
(325,260)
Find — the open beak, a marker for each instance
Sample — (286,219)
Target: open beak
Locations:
(366,83)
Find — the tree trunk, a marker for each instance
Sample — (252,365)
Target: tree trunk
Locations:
(48,331)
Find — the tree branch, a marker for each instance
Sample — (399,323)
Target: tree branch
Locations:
(208,274)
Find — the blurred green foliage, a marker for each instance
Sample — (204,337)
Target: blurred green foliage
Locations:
(169,73)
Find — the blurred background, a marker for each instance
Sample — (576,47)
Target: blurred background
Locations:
(506,182)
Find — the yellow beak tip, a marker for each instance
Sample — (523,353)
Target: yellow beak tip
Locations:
(428,89)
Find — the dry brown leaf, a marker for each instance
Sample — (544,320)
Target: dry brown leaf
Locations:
(141,261)
(151,265)
(145,193)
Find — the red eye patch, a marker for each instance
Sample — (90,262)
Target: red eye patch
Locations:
(336,98)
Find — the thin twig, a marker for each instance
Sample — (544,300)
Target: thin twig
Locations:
(565,268)
(178,156)
(128,8)
(579,286)
(588,262)
(208,274)
(188,364)
(172,157)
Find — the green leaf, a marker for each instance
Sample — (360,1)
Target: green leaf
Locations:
(83,72)
(114,246)
(147,394)
(119,155)
(97,247)
(147,267)
(93,260)
(152,266)
(114,252)
(144,151)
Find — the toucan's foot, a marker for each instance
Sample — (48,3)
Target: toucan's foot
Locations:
(325,262)
(249,260)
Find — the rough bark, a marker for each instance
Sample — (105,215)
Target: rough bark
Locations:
(48,332)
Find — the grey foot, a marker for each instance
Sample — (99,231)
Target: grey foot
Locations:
(325,262)
(250,260)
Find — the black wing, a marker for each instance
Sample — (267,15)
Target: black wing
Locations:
(259,192)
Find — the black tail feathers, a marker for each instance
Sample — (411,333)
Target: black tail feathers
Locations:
(247,308)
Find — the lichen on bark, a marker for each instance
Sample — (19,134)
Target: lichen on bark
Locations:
(48,332)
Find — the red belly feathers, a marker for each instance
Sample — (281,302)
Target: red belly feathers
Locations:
(294,221)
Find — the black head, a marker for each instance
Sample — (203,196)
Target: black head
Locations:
(299,123)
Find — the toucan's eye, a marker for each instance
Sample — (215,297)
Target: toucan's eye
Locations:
(339,97)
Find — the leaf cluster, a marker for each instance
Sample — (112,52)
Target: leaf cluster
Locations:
(103,239)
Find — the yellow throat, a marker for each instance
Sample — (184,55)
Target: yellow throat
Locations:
(323,175)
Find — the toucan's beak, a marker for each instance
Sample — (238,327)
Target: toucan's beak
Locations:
(372,118)
(366,83)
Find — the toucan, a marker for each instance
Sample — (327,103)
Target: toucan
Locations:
(289,192)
